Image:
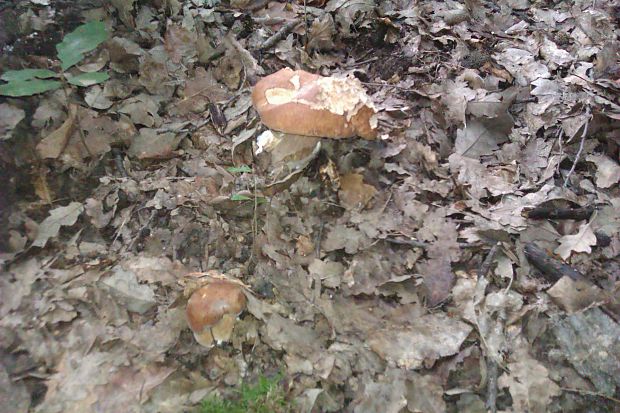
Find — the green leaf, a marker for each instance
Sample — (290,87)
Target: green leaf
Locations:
(28,87)
(27,74)
(80,41)
(238,197)
(239,169)
(88,79)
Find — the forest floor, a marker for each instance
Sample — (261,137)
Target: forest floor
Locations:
(464,261)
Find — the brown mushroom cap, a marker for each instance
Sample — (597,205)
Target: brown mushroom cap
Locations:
(302,103)
(220,301)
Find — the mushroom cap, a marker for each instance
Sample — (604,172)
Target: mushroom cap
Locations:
(302,103)
(209,304)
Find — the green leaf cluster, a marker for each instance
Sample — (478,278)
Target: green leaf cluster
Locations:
(71,50)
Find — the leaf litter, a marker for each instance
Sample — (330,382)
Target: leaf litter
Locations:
(445,266)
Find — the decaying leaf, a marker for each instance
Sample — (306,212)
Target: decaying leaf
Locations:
(321,33)
(607,170)
(10,116)
(574,295)
(528,381)
(386,394)
(478,138)
(150,144)
(425,340)
(123,285)
(58,217)
(438,279)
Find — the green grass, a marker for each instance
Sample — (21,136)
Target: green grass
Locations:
(265,396)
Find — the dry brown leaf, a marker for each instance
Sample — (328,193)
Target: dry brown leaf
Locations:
(528,381)
(152,145)
(573,295)
(438,279)
(321,33)
(58,217)
(10,116)
(387,394)
(180,43)
(55,143)
(434,335)
(354,193)
(607,170)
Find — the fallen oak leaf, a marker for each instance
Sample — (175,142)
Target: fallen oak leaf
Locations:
(582,241)
(59,217)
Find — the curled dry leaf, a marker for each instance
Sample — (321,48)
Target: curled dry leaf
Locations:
(53,144)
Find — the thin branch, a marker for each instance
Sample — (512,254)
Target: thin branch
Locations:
(583,139)
(280,34)
(491,361)
(543,212)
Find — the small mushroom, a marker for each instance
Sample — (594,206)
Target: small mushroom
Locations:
(213,309)
(301,103)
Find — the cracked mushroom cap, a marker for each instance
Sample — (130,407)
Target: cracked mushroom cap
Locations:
(301,103)
(213,309)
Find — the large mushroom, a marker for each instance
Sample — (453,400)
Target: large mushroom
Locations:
(301,103)
(300,108)
(213,309)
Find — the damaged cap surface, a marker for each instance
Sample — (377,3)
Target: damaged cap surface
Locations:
(302,103)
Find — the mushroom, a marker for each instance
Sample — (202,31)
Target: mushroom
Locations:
(301,103)
(213,309)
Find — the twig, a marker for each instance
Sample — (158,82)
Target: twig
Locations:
(319,236)
(492,364)
(560,213)
(421,244)
(280,34)
(485,267)
(560,136)
(411,242)
(591,393)
(492,374)
(583,139)
(551,268)
(268,21)
(118,161)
